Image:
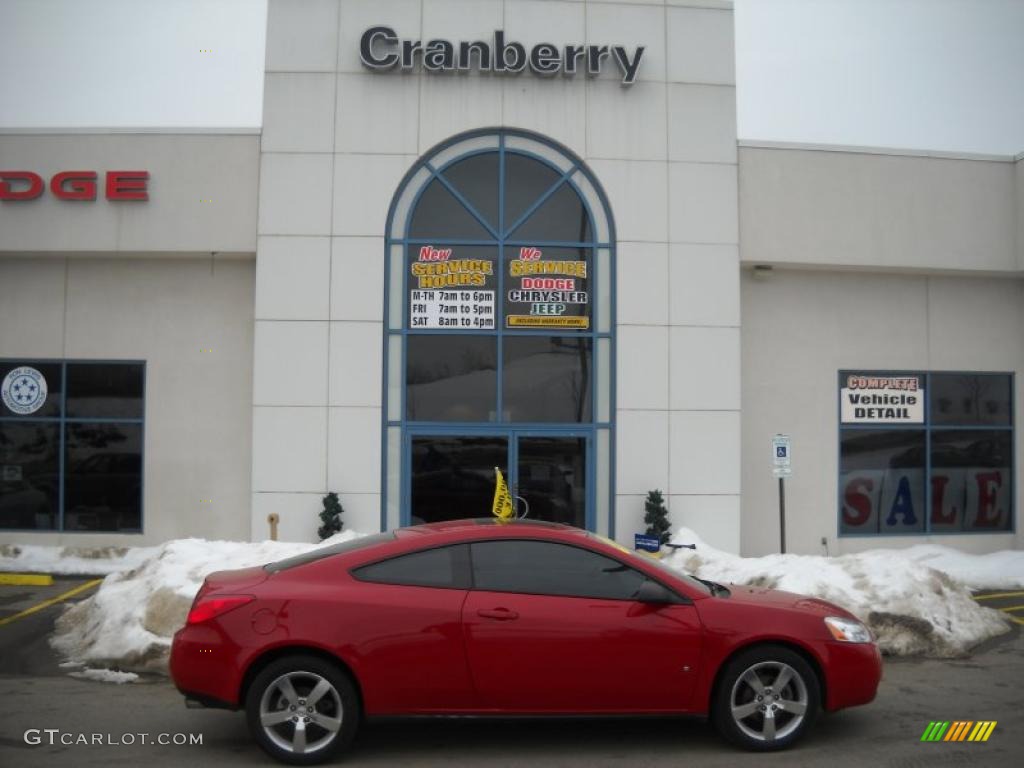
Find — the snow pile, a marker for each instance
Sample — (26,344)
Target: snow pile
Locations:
(128,623)
(998,570)
(106,676)
(98,561)
(911,607)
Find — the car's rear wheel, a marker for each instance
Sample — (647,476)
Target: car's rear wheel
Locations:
(302,710)
(766,699)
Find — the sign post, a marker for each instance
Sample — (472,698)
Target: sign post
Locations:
(782,468)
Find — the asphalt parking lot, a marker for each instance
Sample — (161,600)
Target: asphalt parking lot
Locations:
(35,693)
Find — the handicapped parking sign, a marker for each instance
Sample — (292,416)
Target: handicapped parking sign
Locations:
(781,456)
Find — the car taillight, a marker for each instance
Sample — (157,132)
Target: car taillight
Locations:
(206,608)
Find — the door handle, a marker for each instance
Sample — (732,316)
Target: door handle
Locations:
(501,614)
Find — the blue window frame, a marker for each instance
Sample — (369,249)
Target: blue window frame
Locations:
(926,453)
(502,379)
(72,434)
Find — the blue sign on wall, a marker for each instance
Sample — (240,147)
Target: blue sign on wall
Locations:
(646,543)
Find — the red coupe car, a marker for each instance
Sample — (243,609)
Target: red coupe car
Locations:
(476,617)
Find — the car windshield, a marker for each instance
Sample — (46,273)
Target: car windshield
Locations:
(690,580)
(329,551)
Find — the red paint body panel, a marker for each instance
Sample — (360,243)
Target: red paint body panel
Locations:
(424,650)
(574,654)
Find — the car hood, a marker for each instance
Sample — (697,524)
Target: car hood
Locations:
(777,598)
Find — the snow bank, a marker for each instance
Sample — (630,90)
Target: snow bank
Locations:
(998,570)
(98,561)
(912,607)
(129,621)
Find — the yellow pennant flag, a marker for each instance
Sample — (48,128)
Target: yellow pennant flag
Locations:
(502,506)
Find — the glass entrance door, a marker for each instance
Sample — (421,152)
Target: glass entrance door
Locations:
(452,475)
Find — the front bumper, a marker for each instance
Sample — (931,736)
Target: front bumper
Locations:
(853,672)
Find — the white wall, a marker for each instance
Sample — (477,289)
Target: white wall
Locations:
(191,321)
(878,210)
(801,327)
(664,150)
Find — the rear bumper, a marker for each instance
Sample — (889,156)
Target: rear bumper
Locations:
(203,666)
(854,672)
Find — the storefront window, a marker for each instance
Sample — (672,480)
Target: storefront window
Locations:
(925,452)
(71,436)
(499,340)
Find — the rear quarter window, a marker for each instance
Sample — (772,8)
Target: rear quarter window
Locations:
(443,567)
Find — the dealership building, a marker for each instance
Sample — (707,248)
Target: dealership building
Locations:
(515,234)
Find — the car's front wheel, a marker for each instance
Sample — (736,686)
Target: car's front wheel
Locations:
(302,710)
(767,698)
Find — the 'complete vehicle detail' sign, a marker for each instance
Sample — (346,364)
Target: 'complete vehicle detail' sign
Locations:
(380,48)
(882,399)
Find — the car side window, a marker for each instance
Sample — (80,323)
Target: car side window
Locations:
(443,567)
(544,568)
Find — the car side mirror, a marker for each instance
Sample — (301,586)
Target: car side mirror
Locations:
(654,593)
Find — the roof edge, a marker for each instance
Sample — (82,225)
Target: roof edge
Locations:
(866,150)
(147,130)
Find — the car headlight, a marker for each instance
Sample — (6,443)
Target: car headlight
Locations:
(848,630)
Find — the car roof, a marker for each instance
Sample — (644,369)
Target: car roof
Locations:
(486,526)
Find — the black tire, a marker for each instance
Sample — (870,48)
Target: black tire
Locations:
(779,717)
(321,736)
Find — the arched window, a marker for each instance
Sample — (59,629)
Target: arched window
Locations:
(499,334)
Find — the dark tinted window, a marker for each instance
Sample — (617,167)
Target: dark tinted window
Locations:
(29,475)
(543,568)
(972,480)
(103,477)
(441,567)
(104,390)
(966,399)
(440,214)
(526,180)
(547,378)
(476,179)
(881,476)
(451,378)
(329,551)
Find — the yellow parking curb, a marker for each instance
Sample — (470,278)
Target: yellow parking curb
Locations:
(27,579)
(998,595)
(52,601)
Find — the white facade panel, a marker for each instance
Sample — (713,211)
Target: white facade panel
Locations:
(293,282)
(643,367)
(302,37)
(643,453)
(702,203)
(704,284)
(356,364)
(378,115)
(642,282)
(705,372)
(702,46)
(290,363)
(703,119)
(298,112)
(295,194)
(626,124)
(289,449)
(357,290)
